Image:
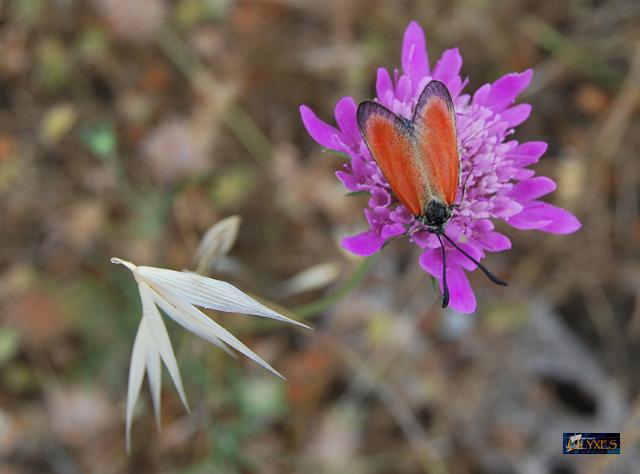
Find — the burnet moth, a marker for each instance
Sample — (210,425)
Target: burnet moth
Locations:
(419,158)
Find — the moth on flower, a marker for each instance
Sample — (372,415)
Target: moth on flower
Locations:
(179,294)
(494,182)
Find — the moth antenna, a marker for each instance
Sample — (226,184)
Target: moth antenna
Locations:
(387,242)
(408,232)
(486,271)
(445,288)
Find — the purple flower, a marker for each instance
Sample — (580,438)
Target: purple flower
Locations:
(498,184)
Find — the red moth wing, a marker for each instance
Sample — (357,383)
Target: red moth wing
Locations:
(390,141)
(434,128)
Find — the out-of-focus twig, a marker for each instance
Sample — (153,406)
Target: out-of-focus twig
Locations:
(607,143)
(249,134)
(566,50)
(221,94)
(426,455)
(607,139)
(381,356)
(603,317)
(634,323)
(547,72)
(615,124)
(627,202)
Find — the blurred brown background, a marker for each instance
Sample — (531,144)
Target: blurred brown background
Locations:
(127,128)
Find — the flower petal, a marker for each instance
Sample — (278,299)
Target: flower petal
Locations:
(209,293)
(480,96)
(424,239)
(392,230)
(495,241)
(401,215)
(415,61)
(384,87)
(364,244)
(516,115)
(456,258)
(528,220)
(488,238)
(505,207)
(346,118)
(404,89)
(562,221)
(533,188)
(320,131)
(431,262)
(523,174)
(461,296)
(455,86)
(545,217)
(380,197)
(350,181)
(505,90)
(448,66)
(527,153)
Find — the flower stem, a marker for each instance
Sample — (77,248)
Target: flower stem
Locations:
(332,298)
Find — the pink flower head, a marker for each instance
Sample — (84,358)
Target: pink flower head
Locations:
(495,175)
